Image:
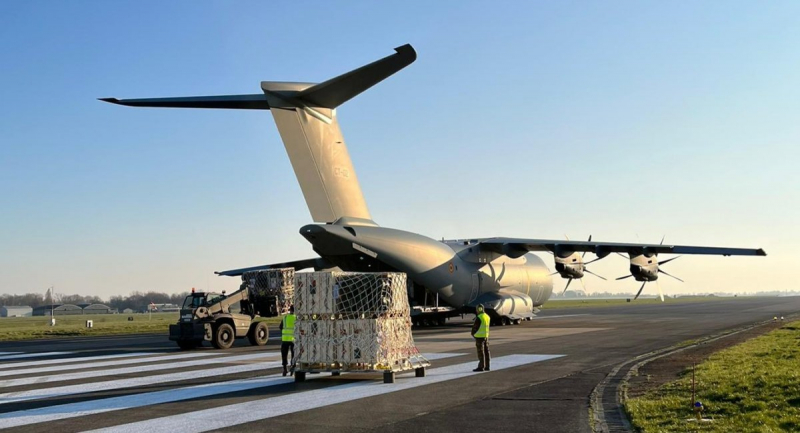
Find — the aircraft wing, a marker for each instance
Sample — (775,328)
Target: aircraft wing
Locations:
(317,263)
(516,246)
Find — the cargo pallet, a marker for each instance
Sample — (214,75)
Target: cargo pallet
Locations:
(336,369)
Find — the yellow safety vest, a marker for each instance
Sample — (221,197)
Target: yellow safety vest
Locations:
(287,333)
(483,331)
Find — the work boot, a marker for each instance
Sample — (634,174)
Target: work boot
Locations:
(285,371)
(478,369)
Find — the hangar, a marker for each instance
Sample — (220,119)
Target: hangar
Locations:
(15,311)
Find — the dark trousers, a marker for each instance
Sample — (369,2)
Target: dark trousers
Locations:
(484,357)
(286,346)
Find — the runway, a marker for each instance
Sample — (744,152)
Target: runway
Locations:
(542,374)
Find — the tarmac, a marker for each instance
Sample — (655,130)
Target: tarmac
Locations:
(543,373)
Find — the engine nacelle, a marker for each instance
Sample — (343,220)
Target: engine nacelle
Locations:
(569,264)
(644,267)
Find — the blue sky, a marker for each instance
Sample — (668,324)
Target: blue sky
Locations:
(624,120)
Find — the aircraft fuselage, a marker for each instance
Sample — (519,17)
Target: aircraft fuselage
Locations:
(457,271)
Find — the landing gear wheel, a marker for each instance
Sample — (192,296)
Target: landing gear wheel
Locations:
(388,377)
(186,344)
(517,321)
(258,334)
(223,337)
(506,321)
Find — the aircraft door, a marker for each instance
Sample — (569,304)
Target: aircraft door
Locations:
(476,287)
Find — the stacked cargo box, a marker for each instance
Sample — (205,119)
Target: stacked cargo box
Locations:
(270,291)
(349,321)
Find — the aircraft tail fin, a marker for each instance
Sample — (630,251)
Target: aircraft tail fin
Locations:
(306,119)
(310,131)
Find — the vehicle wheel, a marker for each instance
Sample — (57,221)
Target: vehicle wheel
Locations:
(186,344)
(223,336)
(259,334)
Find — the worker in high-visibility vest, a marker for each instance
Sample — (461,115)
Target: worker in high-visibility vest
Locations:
(480,330)
(287,338)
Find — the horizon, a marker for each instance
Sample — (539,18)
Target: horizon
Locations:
(600,119)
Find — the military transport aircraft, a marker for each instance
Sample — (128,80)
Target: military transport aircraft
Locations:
(500,273)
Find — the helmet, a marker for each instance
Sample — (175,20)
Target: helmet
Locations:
(479,309)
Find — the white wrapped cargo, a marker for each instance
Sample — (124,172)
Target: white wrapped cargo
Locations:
(267,284)
(349,321)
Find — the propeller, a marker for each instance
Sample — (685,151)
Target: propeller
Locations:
(567,286)
(569,280)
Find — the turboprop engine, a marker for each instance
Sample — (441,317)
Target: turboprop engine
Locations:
(570,265)
(644,267)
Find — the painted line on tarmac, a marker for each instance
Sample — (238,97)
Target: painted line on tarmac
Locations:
(134,382)
(559,316)
(31,355)
(99,361)
(8,353)
(256,410)
(440,355)
(94,407)
(137,369)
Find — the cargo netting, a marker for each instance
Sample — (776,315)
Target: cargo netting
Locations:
(353,321)
(271,291)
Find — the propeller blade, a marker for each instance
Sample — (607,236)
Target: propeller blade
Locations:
(668,260)
(598,276)
(660,292)
(623,255)
(553,274)
(584,285)
(626,276)
(639,292)
(662,242)
(593,260)
(669,275)
(566,287)
(584,253)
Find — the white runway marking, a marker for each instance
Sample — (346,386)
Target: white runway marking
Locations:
(71,410)
(102,361)
(435,356)
(235,414)
(34,394)
(31,355)
(562,315)
(129,370)
(94,407)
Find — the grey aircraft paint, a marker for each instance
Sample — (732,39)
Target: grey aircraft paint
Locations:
(500,273)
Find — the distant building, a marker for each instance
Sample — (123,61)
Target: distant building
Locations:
(161,308)
(127,311)
(58,310)
(16,311)
(98,309)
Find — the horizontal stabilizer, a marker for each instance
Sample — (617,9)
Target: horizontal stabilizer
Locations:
(240,102)
(317,263)
(337,91)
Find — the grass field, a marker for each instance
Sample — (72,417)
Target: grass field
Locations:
(589,302)
(32,328)
(751,387)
